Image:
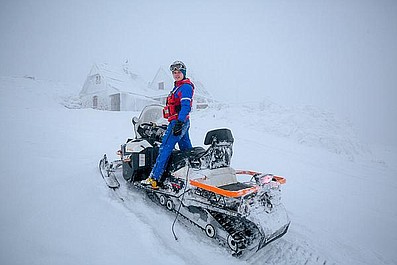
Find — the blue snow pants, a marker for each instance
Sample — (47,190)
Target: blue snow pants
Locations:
(168,143)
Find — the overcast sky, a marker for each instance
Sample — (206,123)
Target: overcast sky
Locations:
(336,54)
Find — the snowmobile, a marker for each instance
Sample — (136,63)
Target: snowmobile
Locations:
(200,185)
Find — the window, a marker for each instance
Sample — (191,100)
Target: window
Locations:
(161,85)
(97,79)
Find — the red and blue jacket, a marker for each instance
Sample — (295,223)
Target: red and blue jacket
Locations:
(179,101)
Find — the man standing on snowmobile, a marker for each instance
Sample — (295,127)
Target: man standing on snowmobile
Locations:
(177,109)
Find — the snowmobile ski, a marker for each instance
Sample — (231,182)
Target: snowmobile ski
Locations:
(107,172)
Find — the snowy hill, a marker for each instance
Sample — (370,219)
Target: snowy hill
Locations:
(306,125)
(57,210)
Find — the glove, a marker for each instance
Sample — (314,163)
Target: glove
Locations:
(177,130)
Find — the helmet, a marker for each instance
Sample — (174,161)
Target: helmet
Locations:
(177,65)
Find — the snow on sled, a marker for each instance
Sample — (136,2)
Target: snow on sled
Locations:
(202,187)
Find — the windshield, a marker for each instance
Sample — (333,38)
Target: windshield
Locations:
(152,113)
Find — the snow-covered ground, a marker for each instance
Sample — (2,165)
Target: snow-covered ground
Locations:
(340,193)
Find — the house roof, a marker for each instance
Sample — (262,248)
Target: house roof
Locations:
(121,78)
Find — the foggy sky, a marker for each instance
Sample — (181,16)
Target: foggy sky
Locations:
(338,55)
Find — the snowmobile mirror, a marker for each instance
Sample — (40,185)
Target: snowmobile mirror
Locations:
(135,120)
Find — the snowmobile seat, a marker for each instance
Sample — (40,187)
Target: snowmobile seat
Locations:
(219,176)
(235,186)
(178,158)
(196,151)
(223,181)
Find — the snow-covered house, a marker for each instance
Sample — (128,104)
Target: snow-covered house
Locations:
(117,88)
(162,83)
(114,88)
